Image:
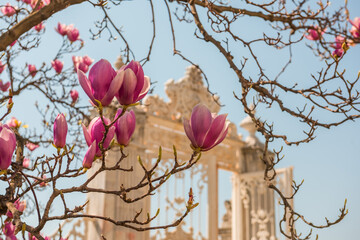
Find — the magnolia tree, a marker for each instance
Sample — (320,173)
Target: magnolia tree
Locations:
(330,34)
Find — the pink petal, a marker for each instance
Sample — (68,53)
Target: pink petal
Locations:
(89,155)
(109,137)
(145,89)
(85,84)
(92,122)
(139,79)
(221,138)
(189,132)
(124,127)
(101,76)
(200,122)
(7,146)
(126,92)
(218,126)
(10,136)
(113,89)
(86,135)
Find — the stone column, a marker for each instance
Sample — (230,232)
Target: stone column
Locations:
(212,199)
(237,209)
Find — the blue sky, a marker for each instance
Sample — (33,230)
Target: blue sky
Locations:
(329,164)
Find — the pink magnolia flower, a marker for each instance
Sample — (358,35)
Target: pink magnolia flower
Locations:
(20,206)
(31,146)
(90,155)
(355,29)
(32,70)
(205,130)
(72,33)
(57,65)
(7,146)
(8,10)
(61,29)
(83,67)
(60,131)
(80,63)
(4,86)
(338,52)
(74,95)
(135,85)
(2,67)
(102,84)
(87,60)
(314,33)
(339,40)
(26,162)
(340,44)
(13,123)
(39,27)
(95,132)
(124,127)
(43,183)
(9,230)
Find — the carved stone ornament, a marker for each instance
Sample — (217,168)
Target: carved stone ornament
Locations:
(262,218)
(183,95)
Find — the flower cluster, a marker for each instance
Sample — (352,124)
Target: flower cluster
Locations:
(19,205)
(102,85)
(13,123)
(355,29)
(129,85)
(8,10)
(57,65)
(70,31)
(341,44)
(315,33)
(82,63)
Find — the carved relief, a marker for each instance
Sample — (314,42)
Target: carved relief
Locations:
(184,95)
(261,218)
